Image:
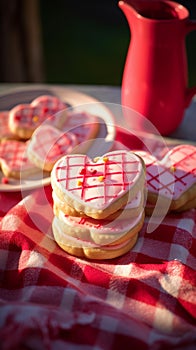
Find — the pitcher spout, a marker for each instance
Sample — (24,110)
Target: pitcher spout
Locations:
(129,9)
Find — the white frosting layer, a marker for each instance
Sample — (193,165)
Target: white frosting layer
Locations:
(174,174)
(48,144)
(97,231)
(82,243)
(97,184)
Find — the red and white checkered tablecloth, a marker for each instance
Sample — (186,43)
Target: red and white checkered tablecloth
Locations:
(50,300)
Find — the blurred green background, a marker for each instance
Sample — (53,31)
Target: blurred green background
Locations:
(70,41)
(85,42)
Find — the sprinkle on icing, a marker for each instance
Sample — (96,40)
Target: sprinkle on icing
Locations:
(172,169)
(35,118)
(82,171)
(121,172)
(105,159)
(101,178)
(79,183)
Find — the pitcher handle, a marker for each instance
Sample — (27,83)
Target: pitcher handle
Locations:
(190,92)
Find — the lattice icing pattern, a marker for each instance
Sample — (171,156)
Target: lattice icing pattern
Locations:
(13,157)
(98,183)
(174,174)
(48,144)
(42,109)
(82,124)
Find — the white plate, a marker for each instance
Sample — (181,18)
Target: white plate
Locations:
(77,100)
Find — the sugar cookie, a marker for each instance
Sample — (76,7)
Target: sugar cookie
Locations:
(48,144)
(82,124)
(174,177)
(13,160)
(96,239)
(130,210)
(100,187)
(25,118)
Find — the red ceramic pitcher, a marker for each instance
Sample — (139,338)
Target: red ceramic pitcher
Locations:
(155,75)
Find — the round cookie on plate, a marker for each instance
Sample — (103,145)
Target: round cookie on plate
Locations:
(98,191)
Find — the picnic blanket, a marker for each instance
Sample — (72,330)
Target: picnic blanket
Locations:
(145,299)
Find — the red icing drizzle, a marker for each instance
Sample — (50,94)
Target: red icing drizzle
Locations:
(183,168)
(54,145)
(43,107)
(13,153)
(17,117)
(84,173)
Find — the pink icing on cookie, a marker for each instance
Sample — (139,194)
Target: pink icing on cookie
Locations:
(109,244)
(49,144)
(116,226)
(48,103)
(81,124)
(174,175)
(132,204)
(32,115)
(97,183)
(100,232)
(13,155)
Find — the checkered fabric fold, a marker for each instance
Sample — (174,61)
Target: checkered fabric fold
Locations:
(145,299)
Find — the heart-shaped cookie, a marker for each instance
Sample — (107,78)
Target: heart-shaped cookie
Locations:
(132,209)
(25,118)
(82,124)
(48,144)
(13,159)
(173,177)
(101,186)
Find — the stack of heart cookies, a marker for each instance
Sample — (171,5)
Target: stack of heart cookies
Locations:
(98,204)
